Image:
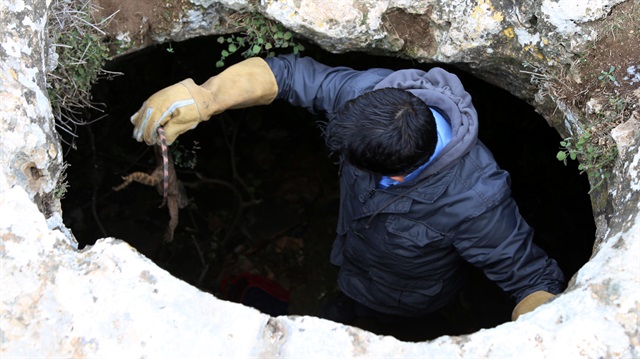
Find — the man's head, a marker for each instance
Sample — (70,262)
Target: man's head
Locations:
(388,131)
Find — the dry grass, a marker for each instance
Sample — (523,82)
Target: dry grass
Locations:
(78,54)
(598,86)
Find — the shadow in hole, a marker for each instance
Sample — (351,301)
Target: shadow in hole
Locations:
(276,216)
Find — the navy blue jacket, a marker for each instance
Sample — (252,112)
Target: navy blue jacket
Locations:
(401,249)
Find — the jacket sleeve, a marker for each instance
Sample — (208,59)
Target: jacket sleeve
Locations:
(305,82)
(499,242)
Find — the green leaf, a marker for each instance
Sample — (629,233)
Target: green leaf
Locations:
(287,35)
(256,49)
(225,53)
(580,167)
(220,63)
(561,156)
(563,143)
(232,48)
(268,46)
(573,156)
(220,39)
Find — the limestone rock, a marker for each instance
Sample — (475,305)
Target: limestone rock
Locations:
(31,152)
(492,38)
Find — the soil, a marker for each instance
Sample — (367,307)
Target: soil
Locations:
(617,47)
(414,29)
(604,81)
(139,19)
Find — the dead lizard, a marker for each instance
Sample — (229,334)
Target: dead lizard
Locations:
(166,181)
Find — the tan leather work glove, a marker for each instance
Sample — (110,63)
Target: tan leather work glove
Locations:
(180,107)
(530,303)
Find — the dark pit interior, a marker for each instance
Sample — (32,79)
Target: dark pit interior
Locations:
(263,194)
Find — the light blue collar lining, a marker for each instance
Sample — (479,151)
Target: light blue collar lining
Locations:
(444,136)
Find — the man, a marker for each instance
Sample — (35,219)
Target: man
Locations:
(420,195)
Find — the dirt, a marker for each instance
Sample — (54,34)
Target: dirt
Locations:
(617,47)
(414,29)
(604,80)
(139,18)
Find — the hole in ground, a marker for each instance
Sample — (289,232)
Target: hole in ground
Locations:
(263,192)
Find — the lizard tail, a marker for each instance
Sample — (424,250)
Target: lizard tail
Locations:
(165,166)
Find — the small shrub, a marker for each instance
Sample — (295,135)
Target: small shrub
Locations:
(261,36)
(596,158)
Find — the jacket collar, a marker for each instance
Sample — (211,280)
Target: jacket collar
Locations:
(394,199)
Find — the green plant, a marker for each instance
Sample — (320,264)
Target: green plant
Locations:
(61,189)
(595,159)
(261,36)
(122,45)
(184,157)
(62,185)
(80,54)
(606,76)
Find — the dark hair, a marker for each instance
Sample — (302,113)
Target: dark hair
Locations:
(388,131)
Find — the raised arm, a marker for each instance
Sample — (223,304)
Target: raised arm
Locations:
(304,82)
(301,81)
(182,106)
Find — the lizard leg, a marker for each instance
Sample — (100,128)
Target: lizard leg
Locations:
(139,177)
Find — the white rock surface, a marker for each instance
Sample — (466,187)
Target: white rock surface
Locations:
(109,301)
(31,154)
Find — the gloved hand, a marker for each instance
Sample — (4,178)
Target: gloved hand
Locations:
(180,107)
(530,303)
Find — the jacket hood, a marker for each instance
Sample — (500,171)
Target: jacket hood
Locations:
(444,92)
